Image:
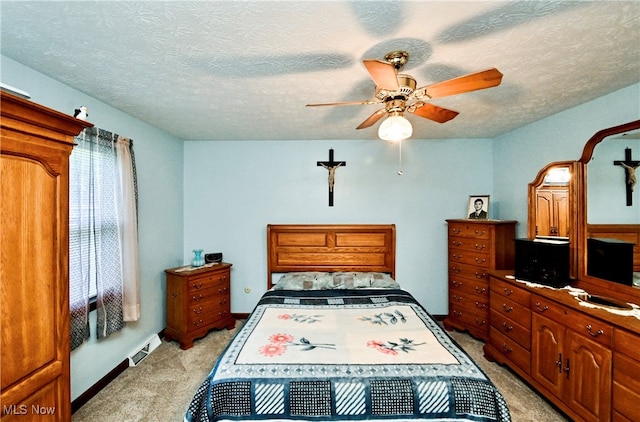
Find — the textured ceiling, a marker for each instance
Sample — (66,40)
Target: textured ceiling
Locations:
(225,70)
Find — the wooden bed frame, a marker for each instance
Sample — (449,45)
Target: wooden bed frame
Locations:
(330,248)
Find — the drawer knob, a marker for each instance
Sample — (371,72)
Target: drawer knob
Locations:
(480,232)
(456,283)
(480,322)
(507,292)
(481,260)
(507,327)
(198,311)
(456,269)
(197,298)
(592,334)
(507,308)
(456,257)
(480,305)
(457,298)
(456,230)
(481,290)
(480,247)
(197,286)
(457,314)
(480,275)
(456,243)
(506,349)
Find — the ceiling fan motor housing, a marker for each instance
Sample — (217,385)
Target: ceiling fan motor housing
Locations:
(407,85)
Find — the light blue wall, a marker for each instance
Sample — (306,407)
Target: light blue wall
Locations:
(160,169)
(520,154)
(234,189)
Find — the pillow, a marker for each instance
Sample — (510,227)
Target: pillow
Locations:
(305,281)
(340,280)
(363,280)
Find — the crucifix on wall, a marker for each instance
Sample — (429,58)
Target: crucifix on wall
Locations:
(630,179)
(331,166)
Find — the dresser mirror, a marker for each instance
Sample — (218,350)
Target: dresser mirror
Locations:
(552,206)
(612,206)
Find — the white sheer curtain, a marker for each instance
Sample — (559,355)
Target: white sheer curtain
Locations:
(129,234)
(103,257)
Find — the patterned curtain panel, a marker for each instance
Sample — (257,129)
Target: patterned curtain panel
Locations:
(97,232)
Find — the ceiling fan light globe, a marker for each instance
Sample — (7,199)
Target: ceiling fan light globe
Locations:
(395,128)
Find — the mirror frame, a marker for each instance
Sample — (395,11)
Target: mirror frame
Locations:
(587,282)
(574,190)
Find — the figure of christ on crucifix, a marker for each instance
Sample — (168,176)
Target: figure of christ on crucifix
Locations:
(331,166)
(630,167)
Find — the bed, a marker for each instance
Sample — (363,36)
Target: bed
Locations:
(336,338)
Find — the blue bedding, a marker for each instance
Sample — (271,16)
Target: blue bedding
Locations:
(345,355)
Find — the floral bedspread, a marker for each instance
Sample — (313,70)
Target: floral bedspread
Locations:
(344,355)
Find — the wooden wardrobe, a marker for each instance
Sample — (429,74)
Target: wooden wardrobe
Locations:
(35,144)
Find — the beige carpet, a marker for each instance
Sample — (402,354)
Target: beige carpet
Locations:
(160,388)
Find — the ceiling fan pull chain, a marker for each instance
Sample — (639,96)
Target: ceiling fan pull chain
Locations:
(400,172)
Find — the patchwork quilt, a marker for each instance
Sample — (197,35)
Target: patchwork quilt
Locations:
(345,355)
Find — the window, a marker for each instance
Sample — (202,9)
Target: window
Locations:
(102,218)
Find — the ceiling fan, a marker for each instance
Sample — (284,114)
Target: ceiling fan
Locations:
(398,92)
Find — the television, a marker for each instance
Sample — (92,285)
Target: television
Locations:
(543,260)
(610,259)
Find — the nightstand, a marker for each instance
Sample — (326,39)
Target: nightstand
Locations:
(198,301)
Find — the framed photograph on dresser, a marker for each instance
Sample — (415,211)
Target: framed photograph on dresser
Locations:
(478,207)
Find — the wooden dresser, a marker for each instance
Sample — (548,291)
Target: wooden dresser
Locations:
(475,247)
(34,269)
(585,360)
(198,301)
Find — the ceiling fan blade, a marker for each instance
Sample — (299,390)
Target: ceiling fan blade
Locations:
(472,82)
(384,74)
(371,120)
(344,103)
(432,112)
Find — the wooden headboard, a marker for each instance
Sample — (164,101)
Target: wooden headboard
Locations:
(626,232)
(330,247)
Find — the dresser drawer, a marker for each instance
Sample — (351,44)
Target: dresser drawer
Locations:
(626,386)
(469,257)
(470,300)
(512,310)
(583,324)
(510,291)
(470,317)
(478,231)
(511,329)
(627,343)
(469,244)
(469,286)
(459,271)
(511,350)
